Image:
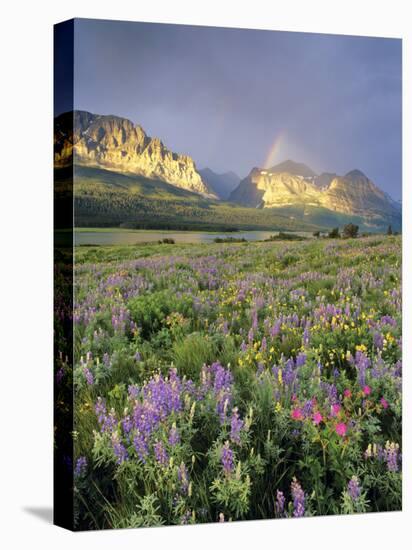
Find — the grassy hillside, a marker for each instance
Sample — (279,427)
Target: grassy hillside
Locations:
(319,215)
(109,199)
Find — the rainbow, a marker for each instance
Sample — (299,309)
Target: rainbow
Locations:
(273,151)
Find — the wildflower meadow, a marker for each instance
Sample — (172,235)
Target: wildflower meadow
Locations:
(235,381)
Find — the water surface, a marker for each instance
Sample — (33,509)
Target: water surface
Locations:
(136,236)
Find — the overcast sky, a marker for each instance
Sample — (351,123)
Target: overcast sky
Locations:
(234,99)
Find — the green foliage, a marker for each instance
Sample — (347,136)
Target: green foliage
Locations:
(232,494)
(190,353)
(350,231)
(282,236)
(334,233)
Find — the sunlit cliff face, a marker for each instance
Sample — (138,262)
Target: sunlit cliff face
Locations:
(115,143)
(353,193)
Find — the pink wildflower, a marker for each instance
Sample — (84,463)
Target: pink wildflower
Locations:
(384,403)
(335,409)
(366,390)
(297,414)
(347,393)
(317,418)
(341,429)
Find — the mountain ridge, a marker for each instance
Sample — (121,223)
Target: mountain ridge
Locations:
(115,143)
(352,194)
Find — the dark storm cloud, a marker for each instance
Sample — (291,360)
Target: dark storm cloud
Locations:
(225,96)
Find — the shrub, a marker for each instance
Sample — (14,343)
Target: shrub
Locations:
(334,233)
(350,231)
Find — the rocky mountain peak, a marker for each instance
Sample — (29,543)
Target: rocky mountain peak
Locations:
(291,184)
(117,144)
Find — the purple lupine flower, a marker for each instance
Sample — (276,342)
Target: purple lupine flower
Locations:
(378,340)
(81,466)
(388,320)
(223,377)
(307,408)
(127,424)
(222,387)
(164,394)
(362,363)
(390,455)
(289,374)
(280,503)
(161,454)
(100,409)
(254,320)
(354,489)
(260,369)
(141,447)
(88,375)
(133,391)
(227,458)
(298,496)
(174,437)
(236,425)
(332,392)
(300,359)
(106,421)
(118,448)
(275,329)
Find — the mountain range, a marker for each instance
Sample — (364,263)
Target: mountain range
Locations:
(292,184)
(117,164)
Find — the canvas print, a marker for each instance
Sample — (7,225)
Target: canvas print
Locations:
(228,329)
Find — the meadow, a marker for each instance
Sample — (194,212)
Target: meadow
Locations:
(235,381)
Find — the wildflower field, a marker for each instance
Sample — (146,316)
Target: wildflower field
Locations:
(235,381)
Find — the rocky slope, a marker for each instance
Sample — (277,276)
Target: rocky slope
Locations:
(353,194)
(116,144)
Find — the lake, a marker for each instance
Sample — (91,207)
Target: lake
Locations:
(123,237)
